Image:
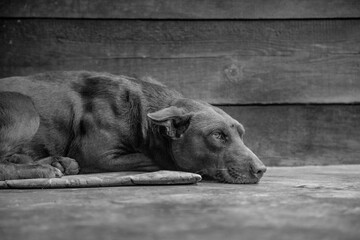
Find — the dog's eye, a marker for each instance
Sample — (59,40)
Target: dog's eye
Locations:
(220,136)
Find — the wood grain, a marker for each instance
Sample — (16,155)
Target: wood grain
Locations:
(184,9)
(303,134)
(222,62)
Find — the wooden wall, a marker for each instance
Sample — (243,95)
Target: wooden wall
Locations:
(289,70)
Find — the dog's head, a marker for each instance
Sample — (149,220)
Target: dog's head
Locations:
(208,141)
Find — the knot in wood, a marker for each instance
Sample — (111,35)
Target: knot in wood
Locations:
(233,73)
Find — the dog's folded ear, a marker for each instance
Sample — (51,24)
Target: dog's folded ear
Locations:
(173,120)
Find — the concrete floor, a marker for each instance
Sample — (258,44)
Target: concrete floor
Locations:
(289,203)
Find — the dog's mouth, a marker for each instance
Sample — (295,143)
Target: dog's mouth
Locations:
(235,176)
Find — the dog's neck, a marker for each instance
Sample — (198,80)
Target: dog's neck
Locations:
(155,144)
(158,147)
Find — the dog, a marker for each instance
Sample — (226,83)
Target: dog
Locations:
(62,123)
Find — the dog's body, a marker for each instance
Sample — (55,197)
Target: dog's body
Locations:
(52,123)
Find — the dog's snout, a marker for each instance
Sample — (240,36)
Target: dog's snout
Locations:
(257,167)
(257,170)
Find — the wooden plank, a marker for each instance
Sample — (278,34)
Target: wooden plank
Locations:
(301,135)
(222,62)
(181,9)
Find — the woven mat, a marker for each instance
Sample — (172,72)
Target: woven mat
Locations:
(106,180)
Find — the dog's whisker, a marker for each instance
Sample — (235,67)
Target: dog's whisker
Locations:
(201,171)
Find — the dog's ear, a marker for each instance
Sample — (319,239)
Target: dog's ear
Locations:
(173,120)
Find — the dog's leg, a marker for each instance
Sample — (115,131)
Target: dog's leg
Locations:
(10,171)
(128,162)
(19,166)
(19,122)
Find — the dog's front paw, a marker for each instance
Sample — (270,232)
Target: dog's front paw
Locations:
(66,165)
(45,171)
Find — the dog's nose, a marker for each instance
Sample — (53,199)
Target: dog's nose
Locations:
(258,170)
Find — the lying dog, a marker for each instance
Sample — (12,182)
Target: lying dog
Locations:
(52,123)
